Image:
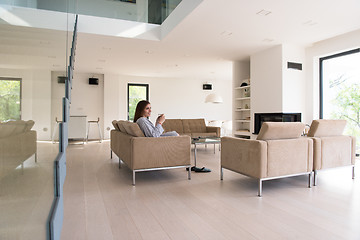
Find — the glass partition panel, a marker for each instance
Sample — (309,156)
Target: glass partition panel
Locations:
(147,11)
(29,59)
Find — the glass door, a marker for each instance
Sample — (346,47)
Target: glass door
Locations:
(340,90)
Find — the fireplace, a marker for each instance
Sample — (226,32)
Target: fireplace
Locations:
(274,117)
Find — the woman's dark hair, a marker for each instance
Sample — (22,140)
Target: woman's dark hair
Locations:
(140,107)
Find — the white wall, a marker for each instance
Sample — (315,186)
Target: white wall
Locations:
(36,98)
(266,80)
(176,98)
(293,81)
(324,48)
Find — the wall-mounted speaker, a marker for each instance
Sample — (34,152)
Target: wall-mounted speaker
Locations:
(61,79)
(292,65)
(207,86)
(93,81)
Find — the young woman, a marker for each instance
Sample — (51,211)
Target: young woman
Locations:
(142,114)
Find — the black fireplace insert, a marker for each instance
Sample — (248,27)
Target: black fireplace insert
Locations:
(274,117)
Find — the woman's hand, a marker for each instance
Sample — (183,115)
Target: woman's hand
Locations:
(160,119)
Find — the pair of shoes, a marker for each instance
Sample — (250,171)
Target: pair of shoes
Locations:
(192,168)
(203,169)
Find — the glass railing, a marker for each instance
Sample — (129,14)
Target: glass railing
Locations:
(147,11)
(29,100)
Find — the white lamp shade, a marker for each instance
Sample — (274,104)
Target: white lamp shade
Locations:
(213,98)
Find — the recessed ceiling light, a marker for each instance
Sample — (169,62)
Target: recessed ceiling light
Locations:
(226,33)
(268,40)
(263,12)
(309,23)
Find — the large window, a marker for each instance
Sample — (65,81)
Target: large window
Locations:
(136,93)
(340,90)
(10,99)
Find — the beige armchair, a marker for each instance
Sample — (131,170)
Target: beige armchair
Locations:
(331,148)
(278,152)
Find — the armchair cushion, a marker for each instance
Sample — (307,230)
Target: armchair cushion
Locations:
(326,128)
(280,130)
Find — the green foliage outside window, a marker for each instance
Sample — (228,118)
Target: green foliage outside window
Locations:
(9,100)
(136,94)
(347,106)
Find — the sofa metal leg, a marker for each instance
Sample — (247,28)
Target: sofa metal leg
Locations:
(353,172)
(315,178)
(110,153)
(221,173)
(189,173)
(133,182)
(36,157)
(260,188)
(309,181)
(119,163)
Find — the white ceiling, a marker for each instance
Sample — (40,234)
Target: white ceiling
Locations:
(202,46)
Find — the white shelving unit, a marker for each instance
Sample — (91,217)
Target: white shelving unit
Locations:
(242,110)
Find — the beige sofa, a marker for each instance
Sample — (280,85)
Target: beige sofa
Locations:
(278,152)
(192,127)
(17,144)
(331,148)
(142,153)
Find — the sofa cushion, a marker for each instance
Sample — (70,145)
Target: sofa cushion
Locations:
(194,125)
(280,130)
(173,125)
(133,129)
(326,128)
(114,123)
(15,127)
(28,125)
(121,126)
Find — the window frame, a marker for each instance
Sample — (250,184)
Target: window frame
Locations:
(15,79)
(321,75)
(128,94)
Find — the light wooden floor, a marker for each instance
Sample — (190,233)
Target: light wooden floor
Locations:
(101,203)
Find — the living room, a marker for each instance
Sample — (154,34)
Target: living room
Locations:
(176,72)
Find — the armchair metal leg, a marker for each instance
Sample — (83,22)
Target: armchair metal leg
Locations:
(260,188)
(310,176)
(133,183)
(36,157)
(110,153)
(119,163)
(315,179)
(221,173)
(353,172)
(189,173)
